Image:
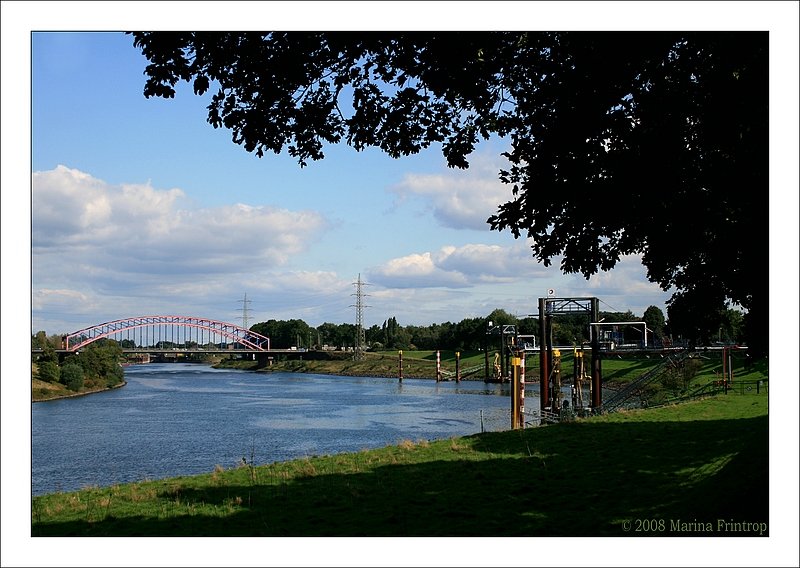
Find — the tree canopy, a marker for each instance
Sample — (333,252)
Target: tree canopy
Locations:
(621,143)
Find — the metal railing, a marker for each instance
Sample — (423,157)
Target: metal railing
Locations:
(636,385)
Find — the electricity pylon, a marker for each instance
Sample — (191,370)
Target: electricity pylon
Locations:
(245,312)
(359,306)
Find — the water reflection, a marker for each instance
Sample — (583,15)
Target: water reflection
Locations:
(183,419)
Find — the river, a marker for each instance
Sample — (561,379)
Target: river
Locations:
(177,419)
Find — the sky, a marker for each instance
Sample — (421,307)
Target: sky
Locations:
(140,207)
(116,206)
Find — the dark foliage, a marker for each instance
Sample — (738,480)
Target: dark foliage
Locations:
(621,143)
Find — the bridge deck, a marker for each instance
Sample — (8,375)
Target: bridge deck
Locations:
(201,350)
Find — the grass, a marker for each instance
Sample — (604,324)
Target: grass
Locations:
(416,364)
(698,461)
(42,390)
(617,370)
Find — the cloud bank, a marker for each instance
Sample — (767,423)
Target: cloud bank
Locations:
(102,251)
(94,240)
(460,199)
(459,267)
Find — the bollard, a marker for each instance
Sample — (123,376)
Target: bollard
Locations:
(555,396)
(522,391)
(400,365)
(514,393)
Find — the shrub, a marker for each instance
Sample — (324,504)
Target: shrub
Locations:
(682,375)
(72,376)
(114,375)
(689,370)
(49,371)
(671,379)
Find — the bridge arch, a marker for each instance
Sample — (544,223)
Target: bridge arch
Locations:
(249,340)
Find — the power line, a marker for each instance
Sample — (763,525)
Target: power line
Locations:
(610,306)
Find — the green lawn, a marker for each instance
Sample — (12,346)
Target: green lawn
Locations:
(699,461)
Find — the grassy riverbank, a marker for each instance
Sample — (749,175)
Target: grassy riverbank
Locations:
(697,462)
(617,371)
(42,390)
(416,364)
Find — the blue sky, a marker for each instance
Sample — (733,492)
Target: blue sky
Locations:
(141,207)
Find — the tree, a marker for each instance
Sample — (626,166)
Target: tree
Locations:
(621,143)
(49,371)
(731,326)
(346,333)
(528,326)
(48,353)
(328,334)
(284,334)
(39,341)
(374,337)
(390,333)
(471,333)
(72,376)
(654,318)
(100,360)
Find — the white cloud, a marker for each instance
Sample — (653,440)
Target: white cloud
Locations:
(491,263)
(72,207)
(625,287)
(44,295)
(474,279)
(418,306)
(459,267)
(313,296)
(416,270)
(134,228)
(133,249)
(460,199)
(133,242)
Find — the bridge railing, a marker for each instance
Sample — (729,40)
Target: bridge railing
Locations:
(249,339)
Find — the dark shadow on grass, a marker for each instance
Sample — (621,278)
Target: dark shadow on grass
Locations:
(620,377)
(574,479)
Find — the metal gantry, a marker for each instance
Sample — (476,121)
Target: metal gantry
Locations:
(508,342)
(549,307)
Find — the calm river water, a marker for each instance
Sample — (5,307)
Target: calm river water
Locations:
(182,419)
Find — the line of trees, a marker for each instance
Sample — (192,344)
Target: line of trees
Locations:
(468,334)
(471,333)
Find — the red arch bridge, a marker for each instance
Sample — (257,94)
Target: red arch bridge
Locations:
(160,332)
